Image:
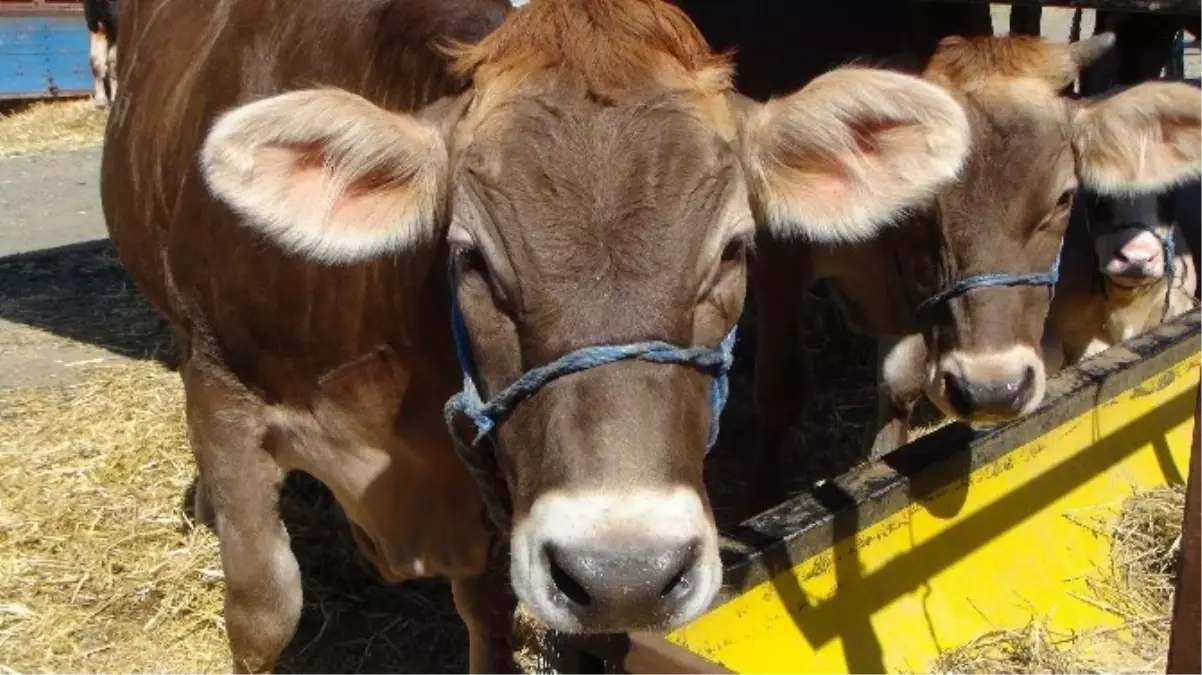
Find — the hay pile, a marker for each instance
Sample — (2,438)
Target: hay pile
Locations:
(44,126)
(99,568)
(1138,588)
(102,569)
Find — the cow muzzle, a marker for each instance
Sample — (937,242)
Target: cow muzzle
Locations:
(633,560)
(990,387)
(1139,256)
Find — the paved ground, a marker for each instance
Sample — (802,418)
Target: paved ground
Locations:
(49,200)
(63,308)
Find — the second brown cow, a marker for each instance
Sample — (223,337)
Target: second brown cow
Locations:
(958,292)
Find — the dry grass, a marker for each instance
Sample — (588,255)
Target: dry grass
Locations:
(100,570)
(43,126)
(1138,588)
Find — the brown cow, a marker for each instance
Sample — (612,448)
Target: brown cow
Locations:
(591,179)
(1127,268)
(974,350)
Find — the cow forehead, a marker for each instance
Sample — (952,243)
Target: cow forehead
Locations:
(613,170)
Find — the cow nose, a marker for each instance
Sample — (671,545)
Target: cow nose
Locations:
(1137,256)
(628,581)
(989,400)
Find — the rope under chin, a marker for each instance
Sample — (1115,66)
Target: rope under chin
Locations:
(477,449)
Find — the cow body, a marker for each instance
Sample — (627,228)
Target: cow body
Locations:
(312,192)
(101,17)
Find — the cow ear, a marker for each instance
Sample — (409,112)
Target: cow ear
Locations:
(328,175)
(1142,140)
(850,152)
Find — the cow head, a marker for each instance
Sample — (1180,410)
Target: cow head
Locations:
(1008,212)
(596,185)
(1130,234)
(1132,218)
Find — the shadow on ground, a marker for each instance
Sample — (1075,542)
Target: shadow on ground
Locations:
(82,293)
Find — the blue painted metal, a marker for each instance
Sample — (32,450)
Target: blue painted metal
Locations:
(44,56)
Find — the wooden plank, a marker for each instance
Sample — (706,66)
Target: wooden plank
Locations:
(1185,653)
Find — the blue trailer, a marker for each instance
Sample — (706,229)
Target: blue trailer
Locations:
(43,49)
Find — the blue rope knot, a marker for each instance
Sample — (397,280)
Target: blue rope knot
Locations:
(486,415)
(1049,279)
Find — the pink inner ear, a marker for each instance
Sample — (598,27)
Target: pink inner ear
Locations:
(372,202)
(304,178)
(878,144)
(873,134)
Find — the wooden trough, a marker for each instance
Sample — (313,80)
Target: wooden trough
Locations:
(954,535)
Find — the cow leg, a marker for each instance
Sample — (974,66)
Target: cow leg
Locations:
(899,385)
(98,57)
(488,607)
(782,369)
(239,484)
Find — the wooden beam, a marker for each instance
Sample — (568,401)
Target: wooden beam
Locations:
(1185,654)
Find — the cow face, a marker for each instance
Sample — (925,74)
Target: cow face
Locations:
(598,184)
(1129,235)
(1008,212)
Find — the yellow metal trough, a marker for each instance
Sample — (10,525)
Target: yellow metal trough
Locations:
(952,536)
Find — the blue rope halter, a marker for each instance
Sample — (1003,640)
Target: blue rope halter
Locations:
(963,286)
(486,415)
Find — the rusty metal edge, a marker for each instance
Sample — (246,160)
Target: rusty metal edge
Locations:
(1185,653)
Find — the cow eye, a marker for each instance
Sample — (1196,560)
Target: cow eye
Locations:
(1066,198)
(736,249)
(470,259)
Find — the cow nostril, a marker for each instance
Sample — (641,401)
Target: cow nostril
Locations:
(957,396)
(569,587)
(1028,383)
(678,585)
(683,560)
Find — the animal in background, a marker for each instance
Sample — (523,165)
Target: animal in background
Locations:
(1127,268)
(101,16)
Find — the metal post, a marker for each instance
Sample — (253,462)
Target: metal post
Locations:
(1185,656)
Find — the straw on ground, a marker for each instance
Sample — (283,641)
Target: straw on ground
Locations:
(51,125)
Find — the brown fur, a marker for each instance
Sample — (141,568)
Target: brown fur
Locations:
(620,50)
(967,63)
